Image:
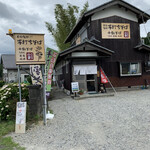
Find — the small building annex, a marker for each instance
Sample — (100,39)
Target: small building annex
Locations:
(107,37)
(10,70)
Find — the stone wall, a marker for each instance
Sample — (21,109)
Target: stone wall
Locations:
(35,100)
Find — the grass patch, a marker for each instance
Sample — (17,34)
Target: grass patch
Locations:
(6,127)
(6,143)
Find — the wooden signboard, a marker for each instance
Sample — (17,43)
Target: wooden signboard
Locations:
(115,30)
(29,48)
(20,117)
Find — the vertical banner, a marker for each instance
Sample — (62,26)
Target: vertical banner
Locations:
(51,57)
(35,71)
(103,77)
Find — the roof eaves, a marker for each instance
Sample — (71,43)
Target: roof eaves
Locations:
(101,7)
(104,48)
(108,51)
(61,53)
(142,46)
(120,2)
(135,9)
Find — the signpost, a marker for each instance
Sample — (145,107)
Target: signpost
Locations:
(29,50)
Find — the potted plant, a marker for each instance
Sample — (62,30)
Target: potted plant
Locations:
(81,92)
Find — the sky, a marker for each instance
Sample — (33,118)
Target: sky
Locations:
(29,16)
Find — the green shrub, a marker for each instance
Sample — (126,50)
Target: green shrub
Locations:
(29,80)
(1,83)
(9,96)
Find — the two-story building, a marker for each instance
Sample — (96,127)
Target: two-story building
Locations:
(107,37)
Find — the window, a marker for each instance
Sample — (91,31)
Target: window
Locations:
(130,69)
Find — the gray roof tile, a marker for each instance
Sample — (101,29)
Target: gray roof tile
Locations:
(8,61)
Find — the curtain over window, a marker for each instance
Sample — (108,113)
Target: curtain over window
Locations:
(85,69)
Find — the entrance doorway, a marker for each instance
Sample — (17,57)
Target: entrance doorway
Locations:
(90,82)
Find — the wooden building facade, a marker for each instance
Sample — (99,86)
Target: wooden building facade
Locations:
(107,37)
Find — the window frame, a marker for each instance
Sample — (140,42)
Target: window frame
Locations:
(131,74)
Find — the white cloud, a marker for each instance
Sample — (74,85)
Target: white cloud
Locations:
(30,16)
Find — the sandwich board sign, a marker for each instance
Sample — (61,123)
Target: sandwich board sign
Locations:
(20,117)
(75,87)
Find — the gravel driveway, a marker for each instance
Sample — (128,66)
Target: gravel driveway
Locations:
(121,122)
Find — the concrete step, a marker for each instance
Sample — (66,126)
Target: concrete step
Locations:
(84,96)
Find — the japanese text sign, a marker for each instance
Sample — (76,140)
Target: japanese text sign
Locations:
(115,30)
(29,48)
(51,57)
(35,71)
(75,86)
(21,117)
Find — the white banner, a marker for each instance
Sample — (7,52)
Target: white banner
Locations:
(85,69)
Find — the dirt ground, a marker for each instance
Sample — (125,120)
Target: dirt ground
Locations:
(120,122)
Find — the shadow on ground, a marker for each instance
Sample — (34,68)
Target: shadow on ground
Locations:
(57,93)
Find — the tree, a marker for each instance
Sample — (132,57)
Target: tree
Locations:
(65,21)
(147,41)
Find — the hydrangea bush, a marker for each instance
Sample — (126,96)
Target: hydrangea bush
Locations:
(9,96)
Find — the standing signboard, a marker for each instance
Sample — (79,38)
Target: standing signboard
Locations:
(29,48)
(20,117)
(75,87)
(51,57)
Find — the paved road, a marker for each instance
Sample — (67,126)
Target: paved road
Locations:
(121,122)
